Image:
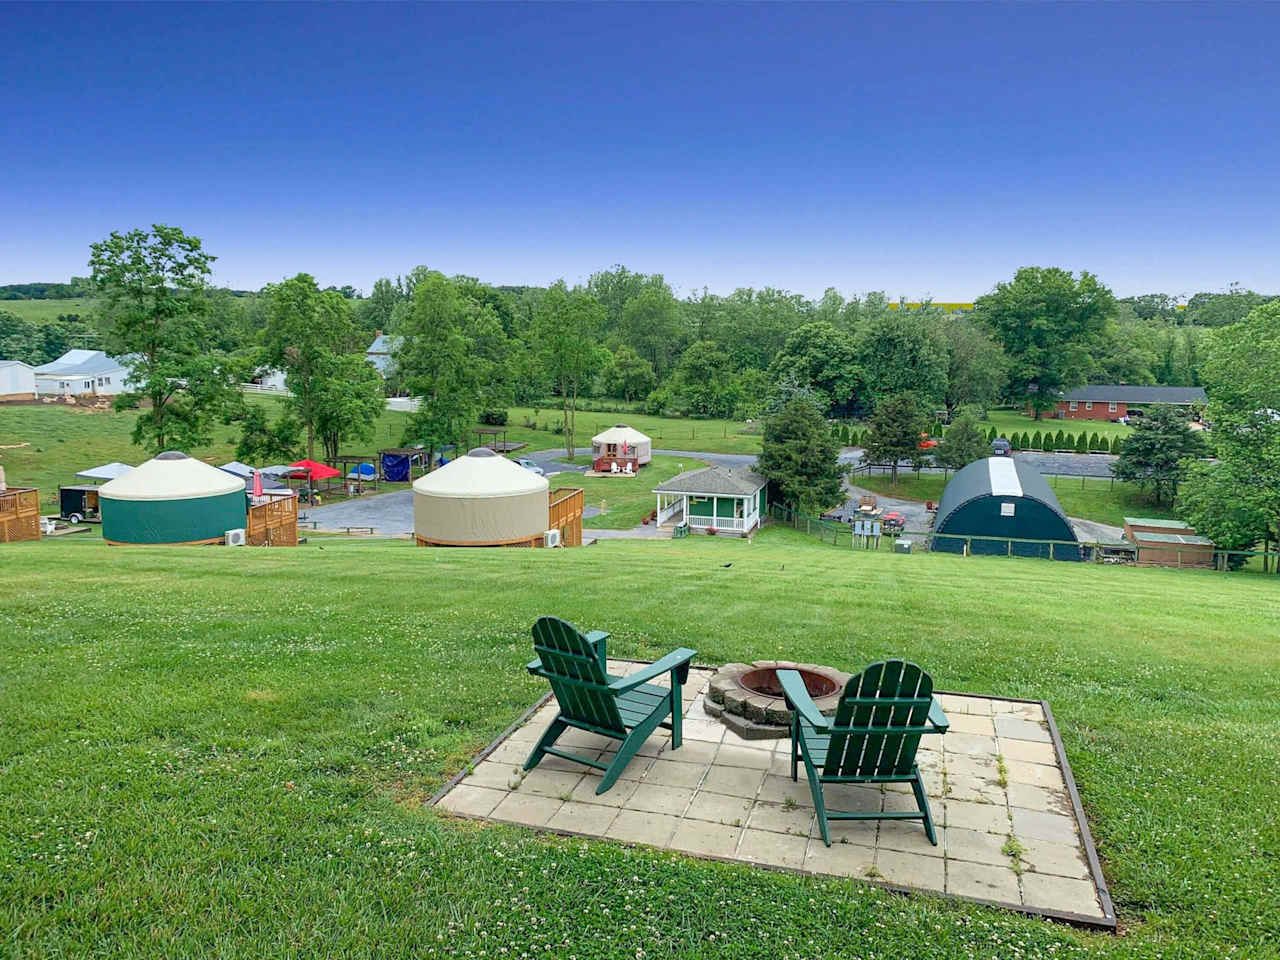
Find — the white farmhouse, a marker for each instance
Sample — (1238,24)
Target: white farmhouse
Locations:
(79,372)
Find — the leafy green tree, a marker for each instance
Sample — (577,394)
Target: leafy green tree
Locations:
(801,458)
(1048,321)
(705,381)
(899,352)
(962,444)
(976,364)
(1224,506)
(568,325)
(262,442)
(633,375)
(1153,455)
(893,432)
(1239,373)
(306,328)
(438,365)
(1037,441)
(1222,309)
(820,357)
(1095,442)
(153,285)
(349,403)
(652,325)
(1060,440)
(1046,442)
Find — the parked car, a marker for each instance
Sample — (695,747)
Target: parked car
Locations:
(1000,447)
(531,466)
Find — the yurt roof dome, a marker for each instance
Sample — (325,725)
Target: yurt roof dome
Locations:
(480,475)
(171,475)
(620,433)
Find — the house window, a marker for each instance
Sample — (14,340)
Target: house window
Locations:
(1075,405)
(88,384)
(1111,407)
(1006,509)
(699,499)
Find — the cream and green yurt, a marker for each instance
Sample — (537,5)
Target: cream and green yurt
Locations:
(480,500)
(172,498)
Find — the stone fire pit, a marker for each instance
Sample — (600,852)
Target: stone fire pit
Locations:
(747,697)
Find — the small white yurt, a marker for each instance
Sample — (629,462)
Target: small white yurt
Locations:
(622,442)
(172,498)
(480,500)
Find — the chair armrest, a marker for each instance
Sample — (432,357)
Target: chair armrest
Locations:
(534,667)
(597,640)
(937,719)
(798,699)
(677,661)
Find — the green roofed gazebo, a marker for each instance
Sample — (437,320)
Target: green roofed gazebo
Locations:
(1008,500)
(172,498)
(714,498)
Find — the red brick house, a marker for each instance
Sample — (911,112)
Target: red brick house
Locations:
(1114,401)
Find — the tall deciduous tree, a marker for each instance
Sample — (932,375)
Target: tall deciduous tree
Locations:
(349,403)
(1048,320)
(894,431)
(900,352)
(976,366)
(567,325)
(633,375)
(801,457)
(306,328)
(1154,454)
(439,367)
(821,358)
(154,289)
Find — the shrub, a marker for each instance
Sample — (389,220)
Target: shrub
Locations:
(1094,442)
(1082,443)
(1047,443)
(1060,441)
(1037,441)
(494,418)
(1116,443)
(991,435)
(558,427)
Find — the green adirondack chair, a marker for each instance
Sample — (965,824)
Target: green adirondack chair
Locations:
(872,738)
(627,709)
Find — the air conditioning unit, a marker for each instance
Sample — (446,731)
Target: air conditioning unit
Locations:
(235,538)
(551,538)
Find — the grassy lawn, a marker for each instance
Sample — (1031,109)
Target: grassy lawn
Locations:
(42,310)
(1009,421)
(214,753)
(1087,498)
(709,436)
(627,499)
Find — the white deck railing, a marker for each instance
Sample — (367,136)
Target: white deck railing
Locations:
(719,523)
(673,509)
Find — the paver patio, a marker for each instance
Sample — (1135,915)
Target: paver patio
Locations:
(995,783)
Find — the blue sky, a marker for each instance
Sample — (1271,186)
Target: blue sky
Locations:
(919,149)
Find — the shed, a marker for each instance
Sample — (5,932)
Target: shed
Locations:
(17,381)
(1168,543)
(481,499)
(172,498)
(622,445)
(1003,501)
(79,372)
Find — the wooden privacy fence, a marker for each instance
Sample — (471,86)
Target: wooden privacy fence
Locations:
(566,515)
(19,514)
(272,521)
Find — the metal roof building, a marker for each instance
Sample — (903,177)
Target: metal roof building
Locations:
(1002,497)
(1123,393)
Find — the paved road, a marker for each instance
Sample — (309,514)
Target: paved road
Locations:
(391,514)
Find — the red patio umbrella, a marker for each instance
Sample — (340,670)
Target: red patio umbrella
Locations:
(314,471)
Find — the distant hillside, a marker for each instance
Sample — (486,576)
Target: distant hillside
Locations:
(78,287)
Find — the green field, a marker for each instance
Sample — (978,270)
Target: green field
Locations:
(626,500)
(1088,498)
(45,310)
(214,753)
(668,433)
(1010,421)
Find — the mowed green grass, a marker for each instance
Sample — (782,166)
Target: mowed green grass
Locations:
(625,500)
(217,753)
(1010,421)
(1088,498)
(667,433)
(45,310)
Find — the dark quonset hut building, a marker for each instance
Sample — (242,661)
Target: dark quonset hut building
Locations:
(1002,497)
